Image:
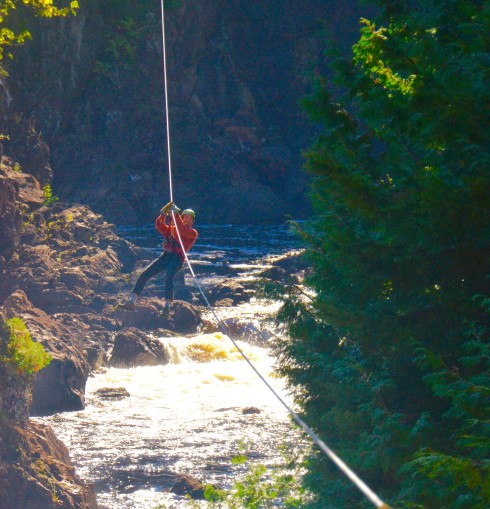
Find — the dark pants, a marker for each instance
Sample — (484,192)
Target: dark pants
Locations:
(170,262)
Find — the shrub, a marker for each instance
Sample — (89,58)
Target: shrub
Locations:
(26,355)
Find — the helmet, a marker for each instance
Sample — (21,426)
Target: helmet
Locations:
(189,212)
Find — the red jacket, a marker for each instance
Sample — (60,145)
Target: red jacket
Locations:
(187,234)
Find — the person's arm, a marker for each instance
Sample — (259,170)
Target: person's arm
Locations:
(162,226)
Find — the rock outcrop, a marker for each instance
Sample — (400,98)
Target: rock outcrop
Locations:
(35,468)
(61,385)
(40,475)
(63,274)
(150,315)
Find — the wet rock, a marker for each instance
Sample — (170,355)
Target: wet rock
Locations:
(134,348)
(112,393)
(275,274)
(251,410)
(224,303)
(254,333)
(184,317)
(228,292)
(149,314)
(96,355)
(61,385)
(187,485)
(287,269)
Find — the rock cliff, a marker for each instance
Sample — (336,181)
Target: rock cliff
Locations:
(236,71)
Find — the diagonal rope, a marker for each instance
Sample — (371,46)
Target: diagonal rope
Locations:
(356,480)
(348,472)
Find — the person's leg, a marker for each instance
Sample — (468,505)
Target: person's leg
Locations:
(174,265)
(156,266)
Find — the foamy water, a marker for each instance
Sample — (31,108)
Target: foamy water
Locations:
(183,417)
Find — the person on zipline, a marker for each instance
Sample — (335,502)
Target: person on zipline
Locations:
(172,258)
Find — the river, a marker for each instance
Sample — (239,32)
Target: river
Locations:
(187,417)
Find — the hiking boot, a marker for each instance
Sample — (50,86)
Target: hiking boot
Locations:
(127,305)
(166,309)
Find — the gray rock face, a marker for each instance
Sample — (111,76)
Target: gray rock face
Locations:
(236,70)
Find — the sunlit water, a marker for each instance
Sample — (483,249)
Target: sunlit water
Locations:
(185,417)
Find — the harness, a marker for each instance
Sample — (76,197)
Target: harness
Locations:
(172,246)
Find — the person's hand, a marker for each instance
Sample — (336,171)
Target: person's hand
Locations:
(175,209)
(167,208)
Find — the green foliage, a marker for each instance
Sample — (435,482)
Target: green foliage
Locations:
(261,487)
(22,352)
(387,356)
(49,199)
(124,36)
(43,8)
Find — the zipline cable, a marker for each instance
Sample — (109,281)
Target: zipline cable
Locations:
(164,48)
(348,472)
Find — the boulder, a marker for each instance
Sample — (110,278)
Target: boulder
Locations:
(61,385)
(134,348)
(287,269)
(112,393)
(150,315)
(251,410)
(186,485)
(275,274)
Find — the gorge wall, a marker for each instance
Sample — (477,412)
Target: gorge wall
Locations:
(93,85)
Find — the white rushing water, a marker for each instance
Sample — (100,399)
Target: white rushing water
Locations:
(185,417)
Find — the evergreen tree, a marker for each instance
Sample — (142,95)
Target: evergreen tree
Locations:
(389,358)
